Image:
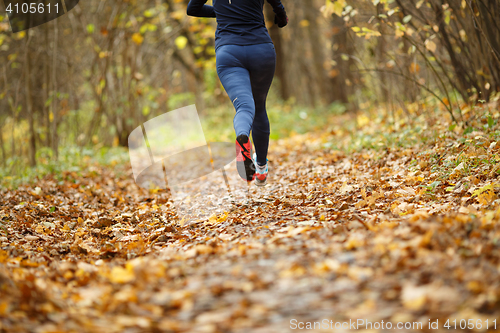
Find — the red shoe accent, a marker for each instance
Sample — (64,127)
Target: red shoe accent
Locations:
(261,176)
(244,162)
(243,151)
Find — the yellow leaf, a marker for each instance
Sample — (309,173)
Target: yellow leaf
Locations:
(486,197)
(39,229)
(353,243)
(3,307)
(137,38)
(363,120)
(360,204)
(178,14)
(292,232)
(346,188)
(223,217)
(430,45)
(3,256)
(181,42)
(427,238)
(419,215)
(414,68)
(475,286)
(414,298)
(338,7)
(483,189)
(327,9)
(415,303)
(4,27)
(29,263)
(121,275)
(399,33)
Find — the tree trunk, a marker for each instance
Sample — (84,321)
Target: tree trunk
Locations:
(2,147)
(340,73)
(280,59)
(55,140)
(46,74)
(29,106)
(314,32)
(381,51)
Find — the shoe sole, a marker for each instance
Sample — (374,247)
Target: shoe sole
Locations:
(259,182)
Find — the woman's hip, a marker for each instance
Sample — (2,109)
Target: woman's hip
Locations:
(246,56)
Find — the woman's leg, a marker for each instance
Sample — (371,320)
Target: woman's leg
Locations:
(235,78)
(262,64)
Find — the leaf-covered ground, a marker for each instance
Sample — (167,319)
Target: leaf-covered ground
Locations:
(399,235)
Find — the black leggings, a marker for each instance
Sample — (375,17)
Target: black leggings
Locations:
(246,72)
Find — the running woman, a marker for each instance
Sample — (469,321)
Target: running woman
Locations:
(245,61)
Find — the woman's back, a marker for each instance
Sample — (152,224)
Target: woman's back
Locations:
(250,11)
(239,22)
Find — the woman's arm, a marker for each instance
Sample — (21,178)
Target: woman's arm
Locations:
(199,9)
(281,19)
(278,7)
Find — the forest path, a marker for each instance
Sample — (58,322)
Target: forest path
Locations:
(333,236)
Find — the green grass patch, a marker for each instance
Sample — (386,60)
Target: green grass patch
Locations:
(71,159)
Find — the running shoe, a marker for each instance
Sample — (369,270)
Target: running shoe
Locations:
(244,162)
(260,172)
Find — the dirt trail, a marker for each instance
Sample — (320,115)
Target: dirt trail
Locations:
(332,237)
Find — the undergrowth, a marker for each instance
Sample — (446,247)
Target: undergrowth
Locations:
(425,127)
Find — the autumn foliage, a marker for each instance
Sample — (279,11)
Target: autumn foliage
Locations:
(400,234)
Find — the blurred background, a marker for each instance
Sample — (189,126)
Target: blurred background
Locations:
(83,82)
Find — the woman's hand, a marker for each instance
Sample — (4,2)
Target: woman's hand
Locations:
(281,20)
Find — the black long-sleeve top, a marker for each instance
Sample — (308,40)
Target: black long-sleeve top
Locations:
(239,22)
